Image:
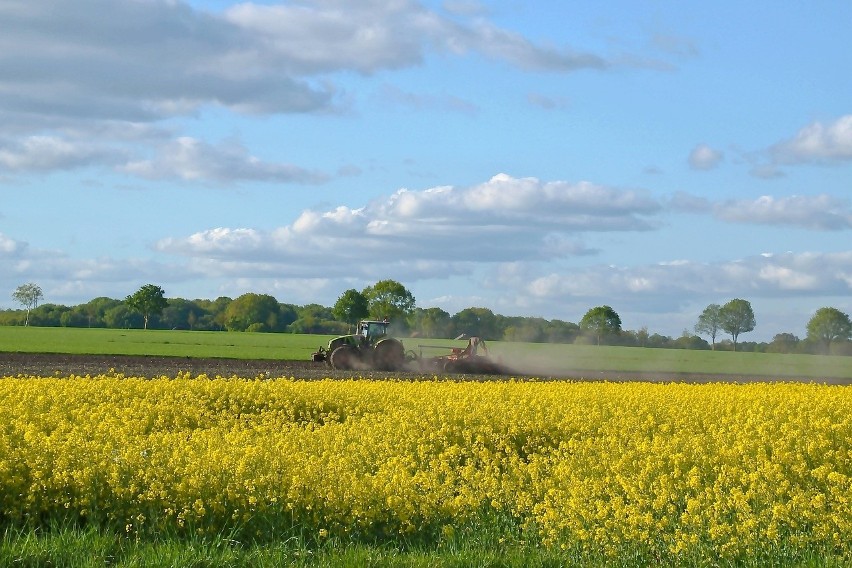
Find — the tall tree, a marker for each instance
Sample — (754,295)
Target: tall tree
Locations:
(829,324)
(148,300)
(351,306)
(709,323)
(737,317)
(254,312)
(389,299)
(28,295)
(601,321)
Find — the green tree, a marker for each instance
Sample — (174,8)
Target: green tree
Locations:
(28,295)
(48,315)
(258,311)
(709,323)
(828,325)
(736,317)
(314,318)
(783,343)
(121,316)
(286,315)
(688,341)
(180,314)
(213,317)
(530,330)
(601,321)
(148,300)
(477,322)
(431,322)
(389,299)
(559,331)
(96,309)
(351,306)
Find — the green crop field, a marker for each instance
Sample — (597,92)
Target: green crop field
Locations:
(98,341)
(645,360)
(526,358)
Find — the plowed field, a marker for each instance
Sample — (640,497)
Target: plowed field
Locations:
(13,364)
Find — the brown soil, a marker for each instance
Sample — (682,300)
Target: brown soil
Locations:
(45,364)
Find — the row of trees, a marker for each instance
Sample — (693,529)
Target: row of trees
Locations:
(827,327)
(828,331)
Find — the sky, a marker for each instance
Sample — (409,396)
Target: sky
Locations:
(533,158)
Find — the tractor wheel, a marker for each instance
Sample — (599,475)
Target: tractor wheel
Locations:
(389,355)
(343,358)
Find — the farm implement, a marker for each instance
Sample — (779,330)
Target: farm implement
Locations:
(473,359)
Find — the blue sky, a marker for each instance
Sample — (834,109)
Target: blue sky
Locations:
(536,159)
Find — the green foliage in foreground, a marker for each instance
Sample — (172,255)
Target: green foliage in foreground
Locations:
(85,548)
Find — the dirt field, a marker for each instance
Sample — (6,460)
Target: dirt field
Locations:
(12,364)
(48,365)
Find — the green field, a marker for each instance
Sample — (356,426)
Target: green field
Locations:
(646,360)
(99,341)
(527,358)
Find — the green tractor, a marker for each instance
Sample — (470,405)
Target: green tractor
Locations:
(368,349)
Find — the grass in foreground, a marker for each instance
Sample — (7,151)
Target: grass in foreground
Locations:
(89,548)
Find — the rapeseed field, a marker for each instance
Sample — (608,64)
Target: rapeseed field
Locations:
(659,472)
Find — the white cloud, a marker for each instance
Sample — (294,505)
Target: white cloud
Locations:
(46,153)
(818,143)
(141,61)
(502,220)
(465,7)
(74,75)
(135,61)
(193,160)
(512,47)
(819,212)
(368,36)
(814,274)
(703,157)
(69,280)
(10,247)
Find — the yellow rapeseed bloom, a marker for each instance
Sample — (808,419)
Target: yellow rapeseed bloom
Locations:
(671,468)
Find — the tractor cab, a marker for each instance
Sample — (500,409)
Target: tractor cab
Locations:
(371,331)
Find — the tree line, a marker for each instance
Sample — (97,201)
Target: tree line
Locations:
(829,330)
